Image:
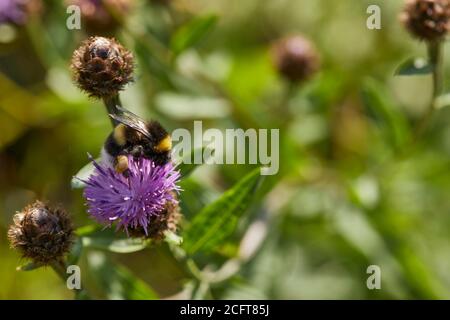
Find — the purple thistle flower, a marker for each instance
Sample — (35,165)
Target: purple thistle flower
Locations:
(130,201)
(13,11)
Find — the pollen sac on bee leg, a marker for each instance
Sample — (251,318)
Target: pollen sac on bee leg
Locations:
(121,165)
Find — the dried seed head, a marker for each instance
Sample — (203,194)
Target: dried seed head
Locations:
(102,67)
(427,19)
(167,220)
(295,58)
(42,234)
(102,17)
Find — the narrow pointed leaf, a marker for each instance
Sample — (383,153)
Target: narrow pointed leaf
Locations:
(125,245)
(172,239)
(192,32)
(83,174)
(116,281)
(87,230)
(212,225)
(385,113)
(75,252)
(414,66)
(29,267)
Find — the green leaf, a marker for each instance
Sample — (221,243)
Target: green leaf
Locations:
(75,252)
(442,101)
(82,295)
(108,241)
(187,165)
(218,220)
(172,239)
(29,267)
(83,174)
(116,281)
(87,230)
(191,33)
(414,66)
(158,69)
(386,113)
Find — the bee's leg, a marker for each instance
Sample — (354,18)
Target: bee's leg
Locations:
(121,164)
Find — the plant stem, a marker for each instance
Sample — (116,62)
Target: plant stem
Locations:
(435,56)
(111,104)
(282,109)
(60,268)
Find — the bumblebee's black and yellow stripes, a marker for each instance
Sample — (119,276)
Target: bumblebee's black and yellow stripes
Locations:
(133,136)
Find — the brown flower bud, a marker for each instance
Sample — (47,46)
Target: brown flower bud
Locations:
(42,234)
(165,221)
(102,67)
(427,19)
(102,17)
(296,58)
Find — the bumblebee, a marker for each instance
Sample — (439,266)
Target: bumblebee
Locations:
(136,137)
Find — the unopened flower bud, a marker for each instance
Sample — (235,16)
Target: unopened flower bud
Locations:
(102,17)
(41,233)
(296,58)
(102,67)
(427,19)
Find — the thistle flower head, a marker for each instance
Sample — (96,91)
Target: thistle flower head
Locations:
(131,201)
(18,11)
(427,19)
(41,233)
(296,58)
(102,16)
(102,67)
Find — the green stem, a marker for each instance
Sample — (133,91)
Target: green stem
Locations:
(435,56)
(60,268)
(111,104)
(283,107)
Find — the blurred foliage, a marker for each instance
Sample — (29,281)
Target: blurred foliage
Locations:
(346,197)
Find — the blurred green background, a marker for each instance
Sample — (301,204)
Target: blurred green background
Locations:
(342,201)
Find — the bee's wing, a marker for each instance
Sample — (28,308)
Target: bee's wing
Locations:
(131,120)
